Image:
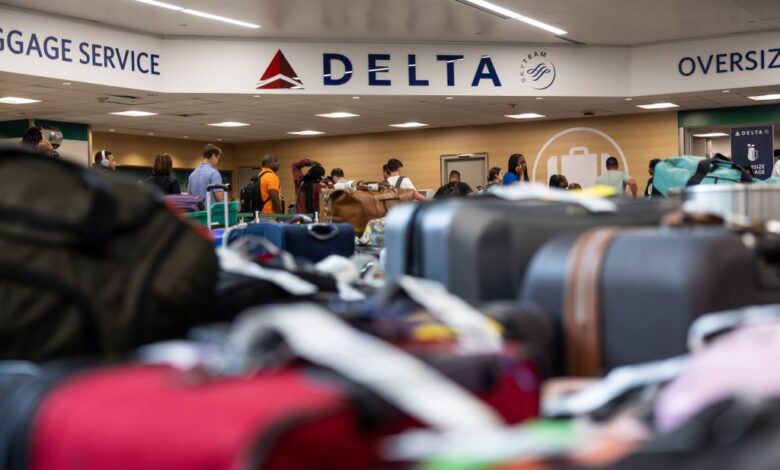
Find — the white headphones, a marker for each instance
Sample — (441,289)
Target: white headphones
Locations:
(103,160)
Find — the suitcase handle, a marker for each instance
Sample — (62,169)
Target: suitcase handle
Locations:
(323,232)
(209,189)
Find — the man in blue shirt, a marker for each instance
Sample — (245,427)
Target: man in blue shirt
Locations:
(205,174)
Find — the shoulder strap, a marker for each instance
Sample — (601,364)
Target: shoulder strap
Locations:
(263,202)
(398,181)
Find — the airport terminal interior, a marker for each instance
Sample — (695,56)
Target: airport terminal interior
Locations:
(380,234)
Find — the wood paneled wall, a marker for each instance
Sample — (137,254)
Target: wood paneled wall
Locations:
(642,137)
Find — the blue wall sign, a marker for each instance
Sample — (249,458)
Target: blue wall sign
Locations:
(753,147)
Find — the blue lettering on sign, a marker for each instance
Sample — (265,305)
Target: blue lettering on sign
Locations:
(486,70)
(327,69)
(375,68)
(57,49)
(413,81)
(730,62)
(450,61)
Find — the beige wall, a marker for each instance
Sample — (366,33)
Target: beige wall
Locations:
(642,137)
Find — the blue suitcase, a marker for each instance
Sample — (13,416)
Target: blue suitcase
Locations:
(313,242)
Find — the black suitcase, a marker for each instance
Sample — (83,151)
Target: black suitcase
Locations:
(625,296)
(479,247)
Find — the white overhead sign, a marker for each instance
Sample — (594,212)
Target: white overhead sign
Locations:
(69,50)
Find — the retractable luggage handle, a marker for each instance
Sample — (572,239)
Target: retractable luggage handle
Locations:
(209,189)
(322,232)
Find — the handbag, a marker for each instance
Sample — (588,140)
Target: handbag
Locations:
(358,206)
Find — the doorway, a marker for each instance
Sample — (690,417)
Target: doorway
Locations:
(473,168)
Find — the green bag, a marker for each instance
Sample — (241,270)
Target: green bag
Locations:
(679,172)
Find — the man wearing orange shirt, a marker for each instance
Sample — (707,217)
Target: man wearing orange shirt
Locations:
(270,186)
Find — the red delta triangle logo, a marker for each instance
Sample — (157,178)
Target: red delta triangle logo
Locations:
(279,74)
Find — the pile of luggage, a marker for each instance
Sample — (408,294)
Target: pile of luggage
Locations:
(526,328)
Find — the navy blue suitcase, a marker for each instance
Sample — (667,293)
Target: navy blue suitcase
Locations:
(313,242)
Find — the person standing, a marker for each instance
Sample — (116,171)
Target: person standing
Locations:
(454,187)
(105,160)
(617,179)
(270,186)
(649,192)
(307,186)
(206,174)
(517,169)
(395,179)
(161,175)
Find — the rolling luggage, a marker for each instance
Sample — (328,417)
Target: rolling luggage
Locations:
(295,389)
(479,247)
(626,296)
(91,263)
(313,242)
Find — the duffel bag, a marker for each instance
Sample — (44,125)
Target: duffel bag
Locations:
(358,206)
(679,172)
(92,263)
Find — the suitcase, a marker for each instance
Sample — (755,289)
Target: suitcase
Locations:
(479,247)
(626,296)
(289,415)
(313,242)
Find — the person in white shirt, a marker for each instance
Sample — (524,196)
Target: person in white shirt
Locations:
(776,169)
(395,179)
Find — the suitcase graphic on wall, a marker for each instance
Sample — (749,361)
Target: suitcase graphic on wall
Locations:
(579,166)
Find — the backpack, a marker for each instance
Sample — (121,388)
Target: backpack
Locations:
(679,172)
(93,263)
(398,181)
(250,196)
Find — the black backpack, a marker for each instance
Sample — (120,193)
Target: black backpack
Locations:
(250,196)
(93,263)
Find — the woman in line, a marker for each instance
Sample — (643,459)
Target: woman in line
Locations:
(161,175)
(517,170)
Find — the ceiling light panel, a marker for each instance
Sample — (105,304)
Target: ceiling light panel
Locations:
(409,124)
(525,116)
(507,13)
(161,5)
(133,113)
(306,133)
(202,14)
(658,106)
(710,135)
(16,100)
(229,124)
(338,115)
(774,96)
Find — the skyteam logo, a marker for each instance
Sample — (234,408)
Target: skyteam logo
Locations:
(538,71)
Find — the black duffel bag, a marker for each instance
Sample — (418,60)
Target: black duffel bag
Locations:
(91,263)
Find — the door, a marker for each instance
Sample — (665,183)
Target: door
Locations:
(473,168)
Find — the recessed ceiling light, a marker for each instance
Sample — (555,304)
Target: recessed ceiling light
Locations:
(255,96)
(112,130)
(657,106)
(450,98)
(773,96)
(134,113)
(355,97)
(219,140)
(506,13)
(338,115)
(210,16)
(306,133)
(229,124)
(185,137)
(725,91)
(540,97)
(150,133)
(711,134)
(409,124)
(629,99)
(15,100)
(155,3)
(525,116)
(67,83)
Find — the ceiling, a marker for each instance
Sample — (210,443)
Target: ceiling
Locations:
(624,22)
(272,116)
(613,22)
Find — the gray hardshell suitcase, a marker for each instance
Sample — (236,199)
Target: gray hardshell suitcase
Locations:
(626,296)
(479,247)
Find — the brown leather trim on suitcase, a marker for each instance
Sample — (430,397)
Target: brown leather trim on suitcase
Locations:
(582,303)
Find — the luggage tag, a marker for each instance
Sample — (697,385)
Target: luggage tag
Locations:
(316,335)
(536,191)
(475,331)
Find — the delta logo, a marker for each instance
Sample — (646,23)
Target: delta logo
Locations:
(279,75)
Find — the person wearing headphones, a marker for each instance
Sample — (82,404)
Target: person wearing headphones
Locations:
(104,159)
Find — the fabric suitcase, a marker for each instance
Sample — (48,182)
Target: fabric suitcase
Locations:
(625,296)
(479,247)
(313,242)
